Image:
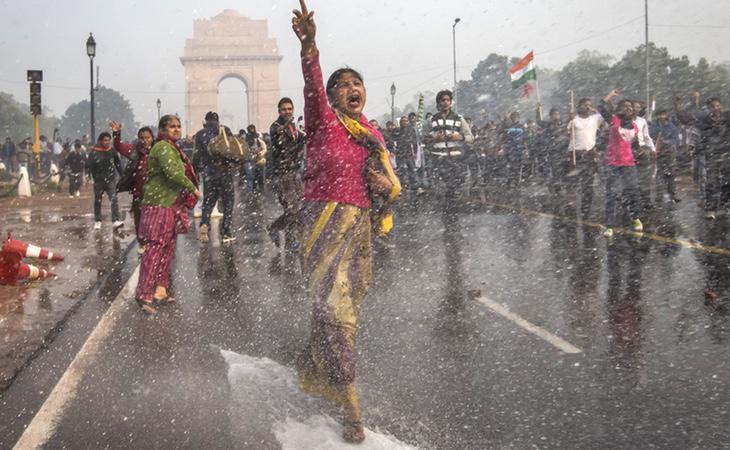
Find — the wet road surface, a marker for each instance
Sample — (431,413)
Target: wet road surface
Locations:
(437,366)
(31,313)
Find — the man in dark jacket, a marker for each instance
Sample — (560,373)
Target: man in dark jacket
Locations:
(103,165)
(217,179)
(666,140)
(75,163)
(8,155)
(285,162)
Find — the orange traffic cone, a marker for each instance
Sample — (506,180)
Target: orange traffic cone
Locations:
(32,272)
(29,250)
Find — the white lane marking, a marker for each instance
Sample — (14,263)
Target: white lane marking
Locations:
(530,327)
(44,424)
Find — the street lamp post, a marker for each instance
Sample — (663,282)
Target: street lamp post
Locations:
(392,103)
(159,106)
(91,51)
(453,29)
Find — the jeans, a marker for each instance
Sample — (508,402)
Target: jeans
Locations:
(110,188)
(621,187)
(219,187)
(255,174)
(666,165)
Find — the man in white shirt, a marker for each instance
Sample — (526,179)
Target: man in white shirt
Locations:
(579,177)
(644,156)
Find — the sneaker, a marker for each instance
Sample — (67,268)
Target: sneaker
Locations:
(117,224)
(228,239)
(140,249)
(608,233)
(636,225)
(203,236)
(97,225)
(77,194)
(216,214)
(710,215)
(70,196)
(197,214)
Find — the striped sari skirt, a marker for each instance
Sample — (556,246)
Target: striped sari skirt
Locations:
(337,268)
(158,230)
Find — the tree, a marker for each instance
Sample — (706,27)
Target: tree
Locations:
(17,122)
(108,105)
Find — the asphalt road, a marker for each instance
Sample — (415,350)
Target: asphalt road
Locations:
(490,328)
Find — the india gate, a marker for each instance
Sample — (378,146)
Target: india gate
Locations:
(231,45)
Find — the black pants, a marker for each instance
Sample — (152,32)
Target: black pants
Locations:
(219,187)
(110,188)
(514,168)
(621,188)
(579,180)
(74,182)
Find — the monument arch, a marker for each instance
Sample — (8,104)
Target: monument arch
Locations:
(231,45)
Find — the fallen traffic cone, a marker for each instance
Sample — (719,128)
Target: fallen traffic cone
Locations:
(29,250)
(13,269)
(32,272)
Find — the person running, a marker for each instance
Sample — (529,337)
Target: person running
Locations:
(170,191)
(218,179)
(621,181)
(579,174)
(103,166)
(135,173)
(448,134)
(75,163)
(335,218)
(285,159)
(666,137)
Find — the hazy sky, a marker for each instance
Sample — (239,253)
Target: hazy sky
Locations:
(408,42)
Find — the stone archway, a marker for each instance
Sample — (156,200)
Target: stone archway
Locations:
(231,45)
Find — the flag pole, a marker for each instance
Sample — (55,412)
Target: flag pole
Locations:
(537,91)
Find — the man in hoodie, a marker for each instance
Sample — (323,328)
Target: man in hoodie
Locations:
(103,166)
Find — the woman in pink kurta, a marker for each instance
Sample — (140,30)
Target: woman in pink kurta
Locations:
(335,221)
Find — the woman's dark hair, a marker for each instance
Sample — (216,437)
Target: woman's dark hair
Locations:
(712,100)
(284,101)
(165,120)
(104,135)
(444,93)
(335,77)
(145,129)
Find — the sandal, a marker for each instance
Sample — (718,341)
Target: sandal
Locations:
(354,432)
(148,306)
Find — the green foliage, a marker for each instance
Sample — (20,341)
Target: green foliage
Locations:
(108,105)
(17,122)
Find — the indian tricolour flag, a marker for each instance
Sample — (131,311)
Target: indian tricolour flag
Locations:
(523,71)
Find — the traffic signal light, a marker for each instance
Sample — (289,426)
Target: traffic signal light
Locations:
(35,98)
(35,76)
